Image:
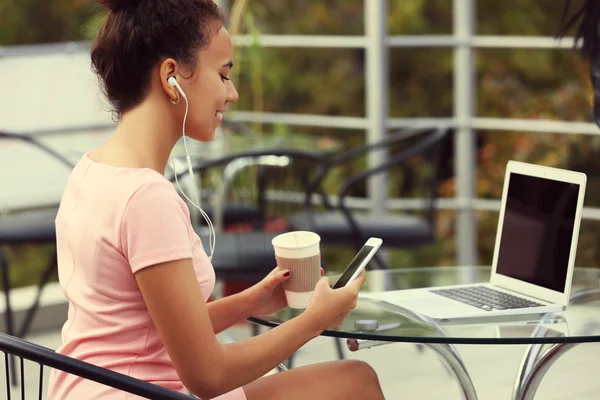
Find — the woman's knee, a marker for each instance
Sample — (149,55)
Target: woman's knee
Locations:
(362,373)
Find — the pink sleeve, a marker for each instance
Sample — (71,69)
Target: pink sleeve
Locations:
(155,227)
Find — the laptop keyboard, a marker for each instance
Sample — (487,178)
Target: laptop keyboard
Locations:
(486,298)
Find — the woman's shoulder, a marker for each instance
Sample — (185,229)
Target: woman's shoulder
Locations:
(120,188)
(150,189)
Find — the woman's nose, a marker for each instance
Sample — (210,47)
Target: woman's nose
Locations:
(232,94)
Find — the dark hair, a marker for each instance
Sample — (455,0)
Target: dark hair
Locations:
(137,34)
(588,31)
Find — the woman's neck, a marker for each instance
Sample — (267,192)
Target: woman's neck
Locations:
(144,138)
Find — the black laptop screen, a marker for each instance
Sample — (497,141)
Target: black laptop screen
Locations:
(537,231)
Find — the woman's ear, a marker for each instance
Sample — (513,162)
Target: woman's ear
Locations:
(167,69)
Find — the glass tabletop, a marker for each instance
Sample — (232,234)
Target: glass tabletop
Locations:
(579,323)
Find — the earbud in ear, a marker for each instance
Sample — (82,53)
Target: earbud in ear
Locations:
(173,83)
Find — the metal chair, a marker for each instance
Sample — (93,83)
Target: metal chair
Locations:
(27,226)
(339,225)
(12,346)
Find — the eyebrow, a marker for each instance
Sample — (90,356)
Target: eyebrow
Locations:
(229,64)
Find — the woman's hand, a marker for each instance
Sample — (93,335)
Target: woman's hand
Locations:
(329,307)
(268,296)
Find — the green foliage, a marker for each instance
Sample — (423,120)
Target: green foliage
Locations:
(418,17)
(309,17)
(42,21)
(27,263)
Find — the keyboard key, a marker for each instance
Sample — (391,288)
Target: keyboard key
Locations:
(485,298)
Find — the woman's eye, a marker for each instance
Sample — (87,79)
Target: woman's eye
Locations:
(224,78)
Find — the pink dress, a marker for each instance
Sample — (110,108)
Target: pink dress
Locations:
(113,222)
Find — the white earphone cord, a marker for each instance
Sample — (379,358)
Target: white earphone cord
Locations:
(212,238)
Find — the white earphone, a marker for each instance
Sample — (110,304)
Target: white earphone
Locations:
(173,83)
(212,237)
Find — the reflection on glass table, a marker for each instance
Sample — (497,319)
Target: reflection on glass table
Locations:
(548,335)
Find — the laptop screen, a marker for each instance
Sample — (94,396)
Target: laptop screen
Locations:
(537,230)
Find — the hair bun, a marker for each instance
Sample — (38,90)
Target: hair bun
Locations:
(118,5)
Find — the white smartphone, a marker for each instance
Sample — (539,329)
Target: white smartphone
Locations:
(359,262)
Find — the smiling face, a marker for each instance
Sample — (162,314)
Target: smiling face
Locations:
(209,89)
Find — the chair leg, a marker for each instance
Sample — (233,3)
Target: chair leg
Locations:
(340,348)
(8,314)
(52,266)
(255,330)
(290,362)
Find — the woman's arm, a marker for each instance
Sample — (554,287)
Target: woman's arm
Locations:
(228,311)
(181,316)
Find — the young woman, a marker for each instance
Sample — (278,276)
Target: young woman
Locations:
(135,273)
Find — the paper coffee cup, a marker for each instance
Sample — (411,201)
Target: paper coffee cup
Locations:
(300,253)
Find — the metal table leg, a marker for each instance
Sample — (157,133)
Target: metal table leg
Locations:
(452,360)
(447,352)
(536,361)
(531,374)
(448,355)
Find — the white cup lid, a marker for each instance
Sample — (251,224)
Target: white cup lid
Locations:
(296,240)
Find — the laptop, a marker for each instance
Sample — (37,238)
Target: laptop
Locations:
(534,253)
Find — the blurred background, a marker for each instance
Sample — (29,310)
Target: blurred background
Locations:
(332,75)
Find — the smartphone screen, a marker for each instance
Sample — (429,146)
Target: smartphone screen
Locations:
(354,264)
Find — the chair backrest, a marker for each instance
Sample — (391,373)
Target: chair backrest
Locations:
(412,142)
(422,143)
(46,149)
(33,173)
(12,346)
(264,180)
(248,196)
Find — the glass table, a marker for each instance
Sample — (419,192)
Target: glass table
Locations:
(374,323)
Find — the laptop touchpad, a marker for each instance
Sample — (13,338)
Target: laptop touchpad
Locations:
(422,301)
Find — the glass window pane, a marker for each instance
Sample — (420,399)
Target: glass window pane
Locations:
(528,83)
(588,252)
(307,17)
(38,21)
(518,17)
(420,82)
(419,17)
(303,81)
(568,151)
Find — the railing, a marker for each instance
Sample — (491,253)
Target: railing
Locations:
(376,43)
